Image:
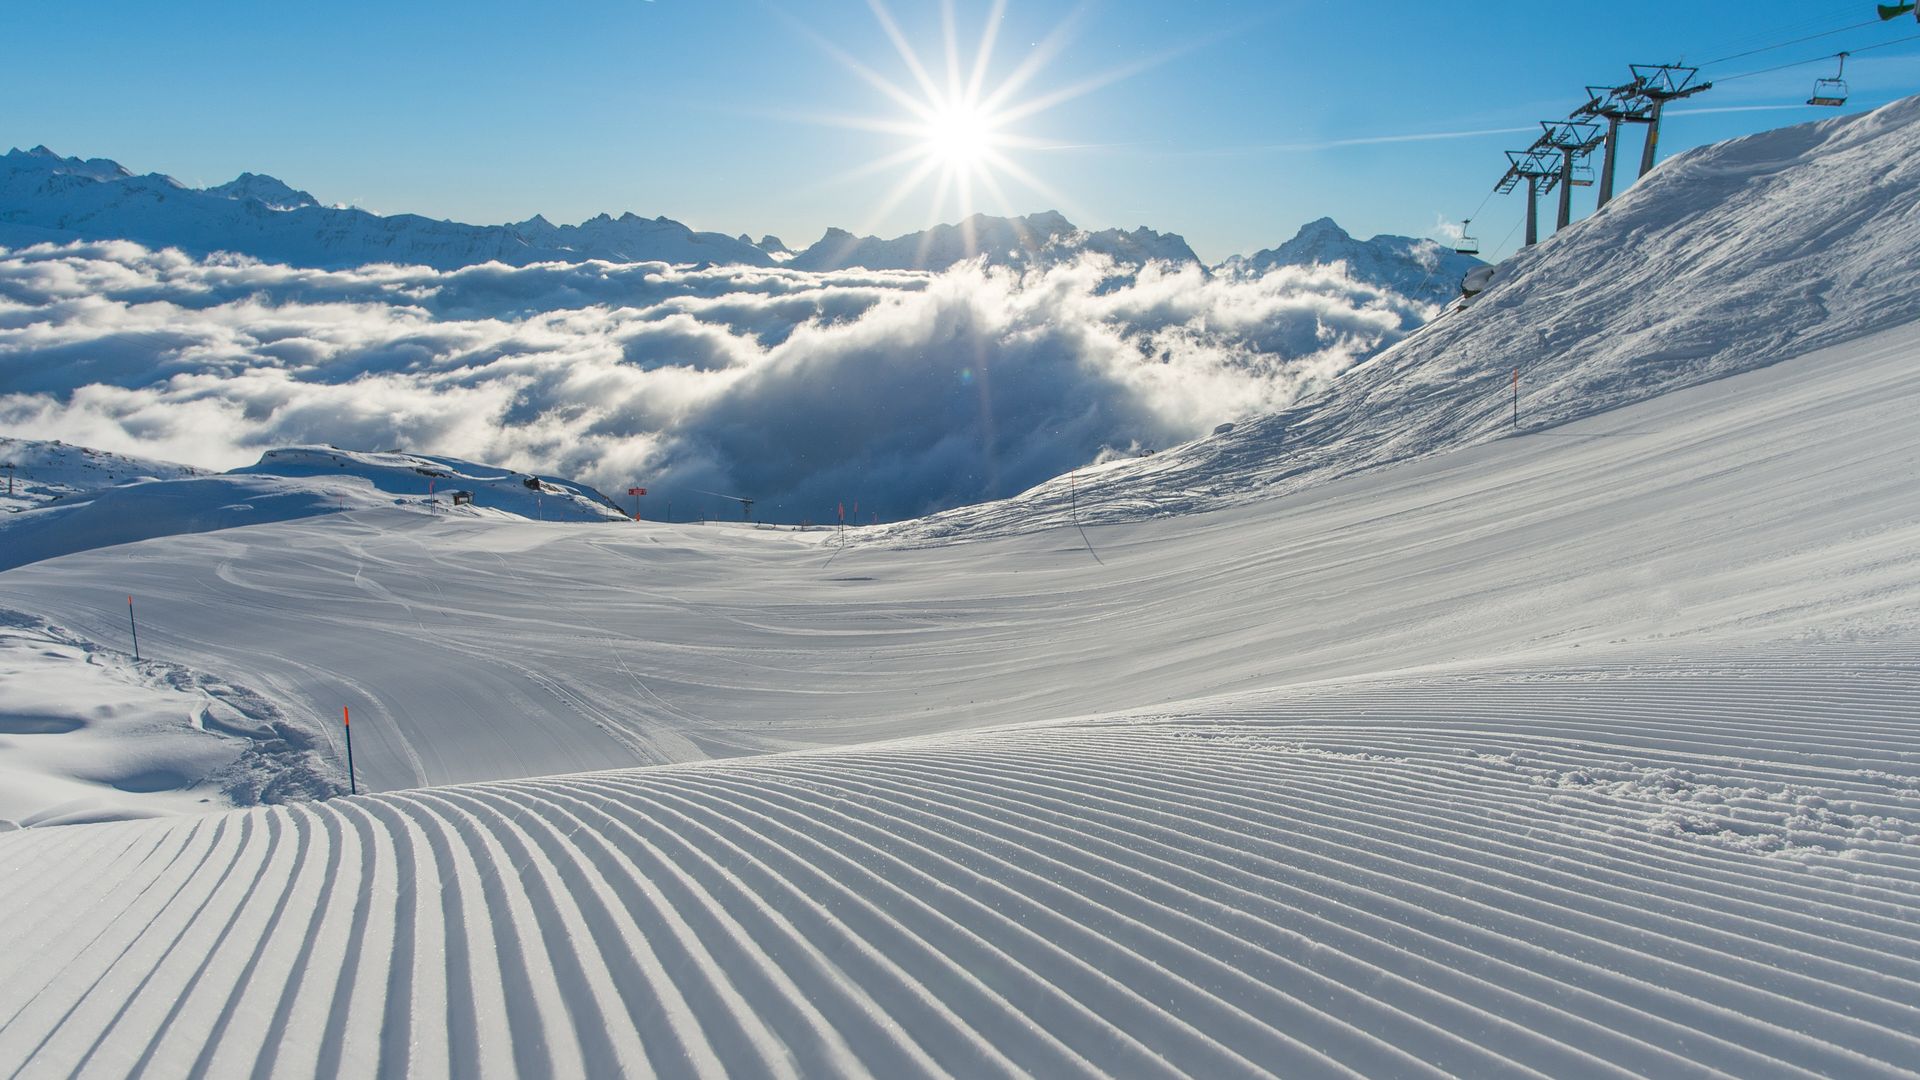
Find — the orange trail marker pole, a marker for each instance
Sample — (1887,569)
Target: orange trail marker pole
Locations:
(346,721)
(134,628)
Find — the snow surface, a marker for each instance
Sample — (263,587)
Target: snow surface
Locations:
(89,734)
(1586,749)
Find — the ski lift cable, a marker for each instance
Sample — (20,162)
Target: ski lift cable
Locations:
(1795,41)
(1477,209)
(1819,59)
(1516,228)
(1760,40)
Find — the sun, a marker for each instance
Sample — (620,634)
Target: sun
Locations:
(960,135)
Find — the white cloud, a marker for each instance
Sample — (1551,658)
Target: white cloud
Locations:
(908,392)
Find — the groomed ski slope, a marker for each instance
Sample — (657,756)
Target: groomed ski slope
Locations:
(1659,869)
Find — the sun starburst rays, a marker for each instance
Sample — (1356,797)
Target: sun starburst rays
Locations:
(956,122)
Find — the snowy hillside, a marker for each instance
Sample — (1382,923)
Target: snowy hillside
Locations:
(45,197)
(43,471)
(1043,239)
(1421,269)
(288,484)
(1811,226)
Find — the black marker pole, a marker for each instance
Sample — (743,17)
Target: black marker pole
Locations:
(346,721)
(135,629)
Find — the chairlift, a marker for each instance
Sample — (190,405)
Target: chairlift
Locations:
(1831,91)
(1466,245)
(1582,175)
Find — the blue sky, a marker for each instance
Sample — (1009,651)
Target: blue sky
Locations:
(1222,121)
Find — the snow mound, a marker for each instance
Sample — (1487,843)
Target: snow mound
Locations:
(90,734)
(432,481)
(44,471)
(1725,259)
(285,485)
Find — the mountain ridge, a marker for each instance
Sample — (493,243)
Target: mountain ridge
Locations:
(47,197)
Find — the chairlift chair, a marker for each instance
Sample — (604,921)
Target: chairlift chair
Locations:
(1466,245)
(1831,91)
(1583,175)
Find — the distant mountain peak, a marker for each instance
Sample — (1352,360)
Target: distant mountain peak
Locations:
(1423,269)
(43,160)
(265,190)
(1325,226)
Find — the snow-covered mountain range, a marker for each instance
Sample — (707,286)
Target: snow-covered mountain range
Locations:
(1036,239)
(44,196)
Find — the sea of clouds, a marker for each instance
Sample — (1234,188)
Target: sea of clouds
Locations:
(902,392)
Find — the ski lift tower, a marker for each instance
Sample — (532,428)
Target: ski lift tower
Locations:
(1659,84)
(1575,141)
(1616,105)
(1537,167)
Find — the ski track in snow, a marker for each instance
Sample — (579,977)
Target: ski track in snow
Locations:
(1657,869)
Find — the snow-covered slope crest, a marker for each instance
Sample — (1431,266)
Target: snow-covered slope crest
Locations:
(1725,259)
(432,481)
(46,197)
(292,483)
(47,469)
